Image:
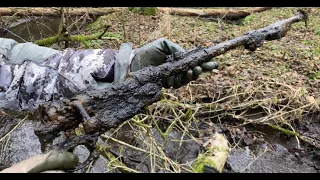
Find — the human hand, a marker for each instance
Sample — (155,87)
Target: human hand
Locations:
(52,160)
(155,53)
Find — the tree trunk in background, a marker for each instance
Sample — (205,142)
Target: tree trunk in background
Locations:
(233,14)
(55,12)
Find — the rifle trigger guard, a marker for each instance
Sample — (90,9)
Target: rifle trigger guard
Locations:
(90,124)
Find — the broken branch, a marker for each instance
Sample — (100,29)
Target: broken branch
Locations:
(81,38)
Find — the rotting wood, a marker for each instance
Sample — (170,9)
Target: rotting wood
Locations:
(56,12)
(230,14)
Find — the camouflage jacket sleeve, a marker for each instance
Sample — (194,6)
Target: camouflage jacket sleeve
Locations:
(62,75)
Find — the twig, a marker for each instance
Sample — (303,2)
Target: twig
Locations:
(105,30)
(123,26)
(265,150)
(14,128)
(13,34)
(133,147)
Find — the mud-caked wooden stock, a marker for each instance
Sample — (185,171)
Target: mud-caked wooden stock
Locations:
(121,101)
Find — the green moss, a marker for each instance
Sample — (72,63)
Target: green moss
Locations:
(98,25)
(15,10)
(286,131)
(274,47)
(112,34)
(82,38)
(135,9)
(188,114)
(148,11)
(47,41)
(304,91)
(79,130)
(199,165)
(247,20)
(308,42)
(315,75)
(316,52)
(51,40)
(63,36)
(86,44)
(77,38)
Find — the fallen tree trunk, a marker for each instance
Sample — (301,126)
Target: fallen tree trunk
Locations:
(55,12)
(119,102)
(233,14)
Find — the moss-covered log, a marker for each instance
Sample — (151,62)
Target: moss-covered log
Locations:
(55,12)
(233,14)
(60,37)
(148,11)
(216,155)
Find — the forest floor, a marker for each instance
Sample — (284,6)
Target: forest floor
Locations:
(266,102)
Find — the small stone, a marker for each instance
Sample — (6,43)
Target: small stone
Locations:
(247,140)
(280,148)
(82,152)
(238,131)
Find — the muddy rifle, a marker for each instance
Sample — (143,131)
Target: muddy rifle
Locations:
(101,110)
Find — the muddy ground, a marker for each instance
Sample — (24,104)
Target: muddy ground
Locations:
(248,99)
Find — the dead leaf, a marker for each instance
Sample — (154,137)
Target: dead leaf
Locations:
(310,99)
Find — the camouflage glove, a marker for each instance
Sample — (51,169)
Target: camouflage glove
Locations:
(154,54)
(40,163)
